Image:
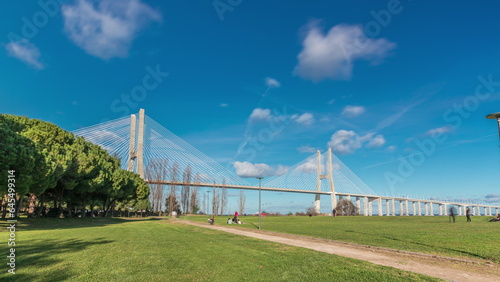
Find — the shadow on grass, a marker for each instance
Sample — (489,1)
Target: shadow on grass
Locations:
(432,247)
(42,254)
(28,224)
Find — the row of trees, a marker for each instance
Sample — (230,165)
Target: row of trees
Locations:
(185,199)
(61,173)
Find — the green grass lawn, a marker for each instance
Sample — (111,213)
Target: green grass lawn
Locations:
(156,250)
(432,234)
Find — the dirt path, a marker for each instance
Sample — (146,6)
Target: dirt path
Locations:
(441,267)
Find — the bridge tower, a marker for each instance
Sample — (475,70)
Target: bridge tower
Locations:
(136,151)
(329,177)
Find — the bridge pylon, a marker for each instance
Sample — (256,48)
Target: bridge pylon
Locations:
(136,149)
(329,177)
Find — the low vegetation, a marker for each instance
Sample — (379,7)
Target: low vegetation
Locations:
(434,234)
(111,249)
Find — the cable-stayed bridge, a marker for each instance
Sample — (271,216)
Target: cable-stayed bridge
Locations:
(162,158)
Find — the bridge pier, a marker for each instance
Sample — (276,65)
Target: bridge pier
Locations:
(329,177)
(387,207)
(379,207)
(136,155)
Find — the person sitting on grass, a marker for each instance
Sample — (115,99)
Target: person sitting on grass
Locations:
(496,218)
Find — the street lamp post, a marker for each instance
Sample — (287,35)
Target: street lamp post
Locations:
(497,117)
(260,189)
(208,202)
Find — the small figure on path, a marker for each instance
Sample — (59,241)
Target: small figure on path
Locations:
(334,213)
(452,214)
(235,219)
(467,213)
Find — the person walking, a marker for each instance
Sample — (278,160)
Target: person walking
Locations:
(467,213)
(334,213)
(452,214)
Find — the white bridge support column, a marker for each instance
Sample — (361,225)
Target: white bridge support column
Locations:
(426,205)
(431,209)
(358,204)
(401,208)
(329,176)
(414,208)
(496,210)
(131,151)
(140,145)
(136,155)
(406,208)
(387,207)
(380,213)
(419,208)
(445,209)
(365,206)
(317,201)
(370,206)
(393,207)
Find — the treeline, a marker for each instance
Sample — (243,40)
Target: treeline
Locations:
(60,174)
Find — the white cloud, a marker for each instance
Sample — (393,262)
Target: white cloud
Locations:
(260,114)
(247,169)
(26,52)
(224,105)
(306,149)
(392,148)
(331,102)
(439,130)
(353,111)
(304,119)
(310,166)
(272,83)
(332,55)
(376,142)
(344,142)
(106,29)
(347,142)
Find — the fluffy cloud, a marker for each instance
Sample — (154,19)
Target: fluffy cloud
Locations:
(310,166)
(106,29)
(347,142)
(247,169)
(376,141)
(272,83)
(353,111)
(439,130)
(260,114)
(304,119)
(26,52)
(332,55)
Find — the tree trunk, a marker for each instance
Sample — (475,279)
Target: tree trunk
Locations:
(31,211)
(19,204)
(40,209)
(4,206)
(69,209)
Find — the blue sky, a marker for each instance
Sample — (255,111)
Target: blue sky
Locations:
(398,89)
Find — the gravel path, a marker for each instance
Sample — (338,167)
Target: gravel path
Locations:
(441,267)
